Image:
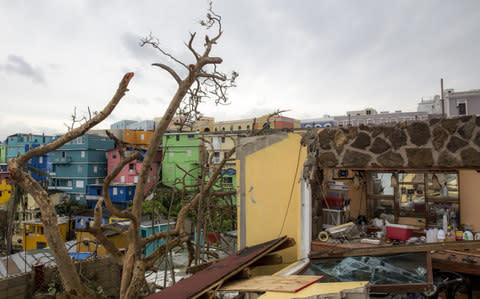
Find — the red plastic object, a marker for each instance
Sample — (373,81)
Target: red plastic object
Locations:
(213,237)
(333,202)
(399,232)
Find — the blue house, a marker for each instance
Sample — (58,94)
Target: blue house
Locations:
(79,163)
(120,194)
(38,167)
(82,219)
(146,230)
(16,144)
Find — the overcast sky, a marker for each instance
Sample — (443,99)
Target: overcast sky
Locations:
(312,57)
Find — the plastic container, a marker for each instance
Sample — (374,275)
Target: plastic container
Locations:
(459,235)
(435,235)
(399,232)
(429,234)
(441,235)
(467,235)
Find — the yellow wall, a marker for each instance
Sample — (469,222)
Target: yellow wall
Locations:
(267,185)
(33,233)
(469,181)
(5,191)
(119,240)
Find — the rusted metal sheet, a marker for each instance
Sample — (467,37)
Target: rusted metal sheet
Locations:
(213,276)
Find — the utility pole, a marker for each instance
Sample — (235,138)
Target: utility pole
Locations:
(442,100)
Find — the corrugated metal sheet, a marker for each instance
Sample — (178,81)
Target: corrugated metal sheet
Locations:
(212,276)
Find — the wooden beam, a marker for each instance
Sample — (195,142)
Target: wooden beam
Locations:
(197,268)
(345,252)
(401,288)
(272,259)
(287,244)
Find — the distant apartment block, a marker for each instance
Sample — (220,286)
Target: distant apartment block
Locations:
(368,116)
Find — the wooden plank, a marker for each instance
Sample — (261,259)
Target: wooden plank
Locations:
(318,289)
(280,283)
(345,252)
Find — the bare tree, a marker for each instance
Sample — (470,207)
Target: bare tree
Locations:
(201,79)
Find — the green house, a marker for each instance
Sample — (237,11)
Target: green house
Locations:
(180,149)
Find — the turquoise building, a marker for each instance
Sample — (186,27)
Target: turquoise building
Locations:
(146,231)
(17,143)
(79,163)
(182,149)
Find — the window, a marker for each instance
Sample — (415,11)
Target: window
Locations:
(79,169)
(171,153)
(216,157)
(177,138)
(135,179)
(69,183)
(239,128)
(170,169)
(223,139)
(223,129)
(115,190)
(122,179)
(114,155)
(142,137)
(82,154)
(191,137)
(148,179)
(95,169)
(189,153)
(216,129)
(64,154)
(79,184)
(228,180)
(40,159)
(462,108)
(131,168)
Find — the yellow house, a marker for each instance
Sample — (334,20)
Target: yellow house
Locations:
(140,139)
(33,233)
(5,191)
(269,177)
(86,242)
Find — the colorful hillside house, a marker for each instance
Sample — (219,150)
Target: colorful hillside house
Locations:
(34,234)
(180,150)
(86,242)
(16,143)
(120,194)
(79,163)
(130,172)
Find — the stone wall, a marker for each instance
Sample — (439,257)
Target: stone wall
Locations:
(452,143)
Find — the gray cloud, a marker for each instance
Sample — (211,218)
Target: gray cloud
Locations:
(17,65)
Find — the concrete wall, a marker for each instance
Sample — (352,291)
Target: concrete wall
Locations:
(470,197)
(267,169)
(102,270)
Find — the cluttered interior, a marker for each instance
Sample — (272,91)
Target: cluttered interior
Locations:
(381,206)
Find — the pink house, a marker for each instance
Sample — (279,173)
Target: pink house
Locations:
(130,172)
